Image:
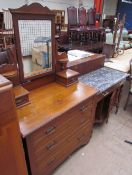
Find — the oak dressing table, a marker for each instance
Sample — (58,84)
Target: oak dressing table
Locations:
(57,119)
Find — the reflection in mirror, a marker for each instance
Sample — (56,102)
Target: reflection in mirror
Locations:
(36,46)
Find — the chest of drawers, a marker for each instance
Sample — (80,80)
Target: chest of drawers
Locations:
(70,127)
(51,144)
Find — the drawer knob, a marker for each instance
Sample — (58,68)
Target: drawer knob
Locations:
(50,130)
(73,79)
(81,138)
(51,145)
(83,120)
(83,109)
(51,161)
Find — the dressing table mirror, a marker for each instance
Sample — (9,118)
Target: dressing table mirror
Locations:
(35,42)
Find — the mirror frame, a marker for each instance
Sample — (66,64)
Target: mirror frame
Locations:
(34,11)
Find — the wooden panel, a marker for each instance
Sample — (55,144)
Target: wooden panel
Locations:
(11,153)
(7,102)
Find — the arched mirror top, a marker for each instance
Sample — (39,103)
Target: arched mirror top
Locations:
(34,32)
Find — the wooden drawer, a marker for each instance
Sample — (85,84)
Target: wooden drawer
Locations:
(50,145)
(65,124)
(55,143)
(66,82)
(72,80)
(45,164)
(21,101)
(67,77)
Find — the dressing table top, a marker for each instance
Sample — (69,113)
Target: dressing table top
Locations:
(103,78)
(50,101)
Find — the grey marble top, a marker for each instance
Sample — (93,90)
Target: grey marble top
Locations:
(103,78)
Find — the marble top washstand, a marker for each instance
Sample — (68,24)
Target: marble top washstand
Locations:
(103,78)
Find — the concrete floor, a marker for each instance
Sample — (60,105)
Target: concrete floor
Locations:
(106,153)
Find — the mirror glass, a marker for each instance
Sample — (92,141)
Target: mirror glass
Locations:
(36,46)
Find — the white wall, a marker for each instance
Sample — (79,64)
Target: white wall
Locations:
(88,3)
(11,3)
(110,7)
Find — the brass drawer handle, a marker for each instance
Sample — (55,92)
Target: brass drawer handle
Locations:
(73,79)
(51,161)
(105,93)
(83,120)
(50,130)
(51,145)
(84,108)
(19,100)
(81,138)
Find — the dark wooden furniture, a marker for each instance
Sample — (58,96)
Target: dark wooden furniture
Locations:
(60,17)
(6,38)
(91,16)
(1,20)
(106,101)
(109,22)
(82,16)
(130,86)
(57,122)
(72,17)
(12,159)
(83,38)
(109,50)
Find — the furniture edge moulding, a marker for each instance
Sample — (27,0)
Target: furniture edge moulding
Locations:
(12,158)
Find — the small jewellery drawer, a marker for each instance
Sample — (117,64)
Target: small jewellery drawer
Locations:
(72,80)
(67,77)
(22,101)
(21,96)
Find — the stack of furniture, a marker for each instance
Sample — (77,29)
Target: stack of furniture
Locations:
(82,31)
(6,32)
(59,20)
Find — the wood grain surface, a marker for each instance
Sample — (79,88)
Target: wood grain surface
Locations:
(50,101)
